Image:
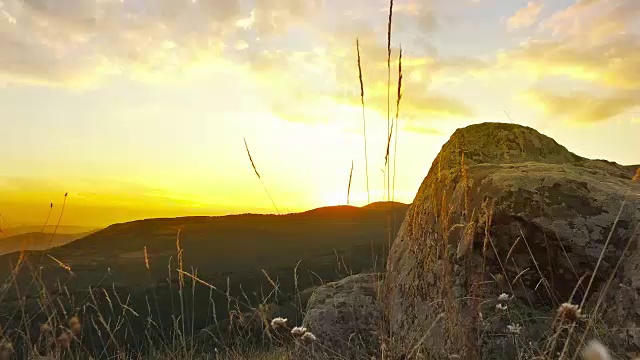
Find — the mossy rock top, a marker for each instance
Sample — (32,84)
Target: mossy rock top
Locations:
(499,143)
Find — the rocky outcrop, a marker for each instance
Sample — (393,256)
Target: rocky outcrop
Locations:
(505,209)
(345,317)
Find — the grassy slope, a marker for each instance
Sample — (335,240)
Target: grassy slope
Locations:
(237,248)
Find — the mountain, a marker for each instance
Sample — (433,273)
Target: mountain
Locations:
(36,241)
(225,243)
(60,229)
(234,253)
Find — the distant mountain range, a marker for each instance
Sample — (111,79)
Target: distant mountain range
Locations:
(61,229)
(226,243)
(36,241)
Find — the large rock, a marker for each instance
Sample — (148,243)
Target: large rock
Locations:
(345,317)
(507,209)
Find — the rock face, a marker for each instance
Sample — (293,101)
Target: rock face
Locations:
(507,209)
(345,317)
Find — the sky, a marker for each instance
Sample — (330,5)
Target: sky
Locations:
(139,108)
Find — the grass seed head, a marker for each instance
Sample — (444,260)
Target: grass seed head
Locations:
(75,326)
(298,331)
(569,312)
(278,323)
(308,338)
(514,328)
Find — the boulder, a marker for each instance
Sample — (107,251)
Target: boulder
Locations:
(345,317)
(505,209)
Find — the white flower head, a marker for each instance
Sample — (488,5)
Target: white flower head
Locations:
(278,323)
(595,351)
(308,338)
(504,297)
(514,328)
(298,331)
(569,312)
(501,307)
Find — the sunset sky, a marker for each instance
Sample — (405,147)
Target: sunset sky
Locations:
(138,108)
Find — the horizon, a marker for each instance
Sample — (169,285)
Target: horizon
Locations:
(77,229)
(138,109)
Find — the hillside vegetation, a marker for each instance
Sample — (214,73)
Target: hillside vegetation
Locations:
(239,256)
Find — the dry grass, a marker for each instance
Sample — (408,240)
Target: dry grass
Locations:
(255,169)
(364,120)
(349,186)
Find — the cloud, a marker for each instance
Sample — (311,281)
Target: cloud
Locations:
(525,17)
(329,76)
(594,19)
(79,42)
(591,44)
(613,63)
(582,107)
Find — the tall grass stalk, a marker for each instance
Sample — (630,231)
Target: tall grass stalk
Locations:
(389,124)
(395,141)
(364,120)
(253,165)
(349,187)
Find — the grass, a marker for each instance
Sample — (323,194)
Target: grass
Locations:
(159,296)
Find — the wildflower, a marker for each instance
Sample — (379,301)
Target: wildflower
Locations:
(298,331)
(278,323)
(6,350)
(75,326)
(504,297)
(308,338)
(514,328)
(501,307)
(569,312)
(595,351)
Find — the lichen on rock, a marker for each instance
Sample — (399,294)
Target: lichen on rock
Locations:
(503,200)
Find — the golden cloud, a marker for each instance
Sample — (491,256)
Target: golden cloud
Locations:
(581,107)
(329,77)
(525,17)
(612,64)
(594,19)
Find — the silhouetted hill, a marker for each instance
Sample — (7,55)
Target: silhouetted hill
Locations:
(325,244)
(59,229)
(36,241)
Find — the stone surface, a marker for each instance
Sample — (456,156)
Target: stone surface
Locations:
(507,209)
(345,316)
